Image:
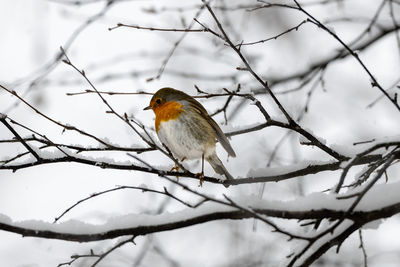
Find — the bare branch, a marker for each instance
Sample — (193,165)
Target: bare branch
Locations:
(374,82)
(154,29)
(123,187)
(295,28)
(19,138)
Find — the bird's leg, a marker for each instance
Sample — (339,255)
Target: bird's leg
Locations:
(176,168)
(201,174)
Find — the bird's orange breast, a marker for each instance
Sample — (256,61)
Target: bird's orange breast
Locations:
(168,111)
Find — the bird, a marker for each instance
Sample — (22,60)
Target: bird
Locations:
(183,126)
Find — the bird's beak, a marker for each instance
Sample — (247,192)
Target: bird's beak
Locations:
(147,108)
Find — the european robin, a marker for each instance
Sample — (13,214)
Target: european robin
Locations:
(185,128)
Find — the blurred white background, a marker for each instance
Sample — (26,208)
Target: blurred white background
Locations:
(123,59)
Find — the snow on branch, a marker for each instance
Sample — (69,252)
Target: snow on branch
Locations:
(381,202)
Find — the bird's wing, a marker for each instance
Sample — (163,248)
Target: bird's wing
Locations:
(219,133)
(221,137)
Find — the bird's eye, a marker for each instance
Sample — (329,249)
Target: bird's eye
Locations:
(158,101)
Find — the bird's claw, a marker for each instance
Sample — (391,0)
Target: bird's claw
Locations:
(175,168)
(200,176)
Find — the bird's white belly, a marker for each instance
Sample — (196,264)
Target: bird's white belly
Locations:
(181,142)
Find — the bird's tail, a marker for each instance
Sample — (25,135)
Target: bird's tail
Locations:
(218,167)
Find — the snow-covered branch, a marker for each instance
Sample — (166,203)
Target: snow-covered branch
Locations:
(381,202)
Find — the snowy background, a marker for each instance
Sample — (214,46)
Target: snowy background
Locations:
(122,60)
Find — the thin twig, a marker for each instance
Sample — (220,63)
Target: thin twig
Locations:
(362,246)
(154,29)
(295,28)
(374,82)
(143,189)
(118,245)
(19,138)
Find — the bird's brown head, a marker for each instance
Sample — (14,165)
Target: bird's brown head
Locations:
(163,96)
(166,106)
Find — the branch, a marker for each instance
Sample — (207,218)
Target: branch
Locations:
(143,189)
(362,247)
(295,28)
(194,217)
(64,126)
(155,29)
(37,76)
(307,170)
(116,246)
(19,138)
(292,123)
(145,137)
(341,54)
(374,82)
(321,249)
(246,63)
